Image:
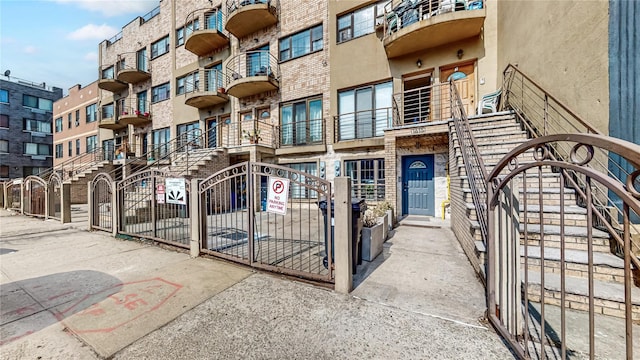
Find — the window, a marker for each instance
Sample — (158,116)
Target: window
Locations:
(161,139)
(364,112)
(43,126)
(77,118)
(107,111)
(108,73)
(258,62)
(367,178)
(33,170)
(300,191)
(160,92)
(4,96)
(188,83)
(70,149)
(59,151)
(92,141)
(180,36)
(4,121)
(160,47)
(37,103)
(58,124)
(213,20)
(187,135)
(301,122)
(141,59)
(77,146)
(360,22)
(37,149)
(69,121)
(185,31)
(4,171)
(302,43)
(91,113)
(4,146)
(142,102)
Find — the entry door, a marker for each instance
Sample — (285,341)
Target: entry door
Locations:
(464,79)
(212,133)
(418,194)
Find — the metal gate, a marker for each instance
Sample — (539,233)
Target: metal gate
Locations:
(146,211)
(55,196)
(236,225)
(556,287)
(102,202)
(14,195)
(35,189)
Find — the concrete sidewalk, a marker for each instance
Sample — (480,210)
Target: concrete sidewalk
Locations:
(72,294)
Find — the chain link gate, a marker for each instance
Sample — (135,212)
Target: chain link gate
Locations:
(147,213)
(55,196)
(101,192)
(236,225)
(35,189)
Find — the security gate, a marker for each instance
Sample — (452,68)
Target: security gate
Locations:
(147,211)
(55,196)
(34,196)
(561,253)
(101,190)
(14,195)
(236,225)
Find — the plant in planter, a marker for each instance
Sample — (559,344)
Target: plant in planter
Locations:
(253,136)
(386,206)
(372,232)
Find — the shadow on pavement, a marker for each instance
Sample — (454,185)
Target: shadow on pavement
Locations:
(33,304)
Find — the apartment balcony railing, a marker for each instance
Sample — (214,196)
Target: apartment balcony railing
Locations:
(243,133)
(422,105)
(364,124)
(108,119)
(204,31)
(134,111)
(107,79)
(245,17)
(301,133)
(205,88)
(133,67)
(252,73)
(410,26)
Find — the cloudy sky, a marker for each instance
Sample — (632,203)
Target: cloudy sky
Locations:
(56,41)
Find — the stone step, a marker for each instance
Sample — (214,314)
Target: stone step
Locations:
(608,296)
(493,138)
(492,129)
(606,267)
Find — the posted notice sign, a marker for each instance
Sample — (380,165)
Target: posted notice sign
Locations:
(278,195)
(176,191)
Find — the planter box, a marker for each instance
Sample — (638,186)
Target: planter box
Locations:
(392,221)
(372,241)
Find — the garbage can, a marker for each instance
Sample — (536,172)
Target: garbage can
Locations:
(358,207)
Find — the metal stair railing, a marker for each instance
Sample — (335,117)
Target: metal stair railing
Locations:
(542,114)
(70,168)
(473,163)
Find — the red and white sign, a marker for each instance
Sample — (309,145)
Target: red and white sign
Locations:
(160,189)
(278,195)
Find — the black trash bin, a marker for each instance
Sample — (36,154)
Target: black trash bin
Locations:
(358,207)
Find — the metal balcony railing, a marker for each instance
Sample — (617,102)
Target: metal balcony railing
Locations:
(299,133)
(422,105)
(204,19)
(362,124)
(107,72)
(252,63)
(133,61)
(204,80)
(233,5)
(134,106)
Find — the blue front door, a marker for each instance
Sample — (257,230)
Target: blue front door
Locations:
(417,185)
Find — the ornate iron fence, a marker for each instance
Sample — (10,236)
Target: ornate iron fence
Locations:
(103,206)
(35,196)
(54,187)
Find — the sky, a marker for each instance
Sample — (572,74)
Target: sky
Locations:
(56,41)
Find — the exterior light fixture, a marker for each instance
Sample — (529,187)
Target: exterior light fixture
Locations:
(419,63)
(460,53)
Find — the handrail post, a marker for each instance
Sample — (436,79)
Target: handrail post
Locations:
(546,113)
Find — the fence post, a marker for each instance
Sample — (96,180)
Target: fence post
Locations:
(3,195)
(65,203)
(22,185)
(342,235)
(46,200)
(195,216)
(90,204)
(115,209)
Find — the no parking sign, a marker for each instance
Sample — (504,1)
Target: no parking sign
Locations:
(278,195)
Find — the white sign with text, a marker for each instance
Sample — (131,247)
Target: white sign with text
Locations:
(176,191)
(278,195)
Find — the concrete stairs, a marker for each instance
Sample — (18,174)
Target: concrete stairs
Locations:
(496,135)
(195,163)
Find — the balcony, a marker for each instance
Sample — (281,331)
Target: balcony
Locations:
(422,106)
(108,81)
(109,120)
(205,88)
(252,73)
(245,17)
(133,74)
(424,24)
(301,137)
(134,111)
(202,40)
(239,135)
(361,128)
